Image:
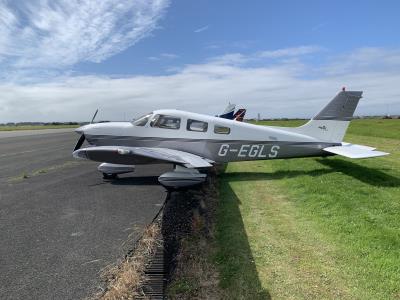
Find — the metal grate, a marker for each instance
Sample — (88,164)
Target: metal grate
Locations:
(155,285)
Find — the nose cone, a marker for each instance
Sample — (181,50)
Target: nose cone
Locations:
(81,130)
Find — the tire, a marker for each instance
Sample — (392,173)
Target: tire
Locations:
(110,176)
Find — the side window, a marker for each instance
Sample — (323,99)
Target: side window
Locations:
(194,125)
(164,121)
(221,129)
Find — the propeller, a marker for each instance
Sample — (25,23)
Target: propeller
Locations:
(80,142)
(82,138)
(94,116)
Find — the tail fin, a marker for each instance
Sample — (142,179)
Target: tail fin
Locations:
(331,123)
(239,115)
(228,112)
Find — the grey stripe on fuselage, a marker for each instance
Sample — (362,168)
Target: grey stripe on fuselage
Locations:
(220,150)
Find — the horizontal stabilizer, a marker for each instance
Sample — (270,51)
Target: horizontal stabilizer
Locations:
(354,151)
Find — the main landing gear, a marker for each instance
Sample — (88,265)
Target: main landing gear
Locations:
(110,176)
(111,171)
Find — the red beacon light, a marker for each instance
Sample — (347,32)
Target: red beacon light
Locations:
(344,89)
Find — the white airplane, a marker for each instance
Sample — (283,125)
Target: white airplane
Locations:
(192,142)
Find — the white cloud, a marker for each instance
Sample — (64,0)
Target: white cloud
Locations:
(201,29)
(290,52)
(319,26)
(50,35)
(169,55)
(367,58)
(285,54)
(277,90)
(212,47)
(163,56)
(231,58)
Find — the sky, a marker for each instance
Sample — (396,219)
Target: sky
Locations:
(61,60)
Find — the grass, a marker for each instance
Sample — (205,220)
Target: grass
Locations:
(313,228)
(35,127)
(26,175)
(195,276)
(388,128)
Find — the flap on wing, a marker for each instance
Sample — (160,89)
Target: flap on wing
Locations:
(355,151)
(138,155)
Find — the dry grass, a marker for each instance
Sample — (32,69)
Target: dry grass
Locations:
(125,280)
(195,276)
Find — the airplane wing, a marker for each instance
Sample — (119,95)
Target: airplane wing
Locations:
(141,155)
(354,151)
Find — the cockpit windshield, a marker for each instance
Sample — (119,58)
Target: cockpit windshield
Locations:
(142,120)
(167,122)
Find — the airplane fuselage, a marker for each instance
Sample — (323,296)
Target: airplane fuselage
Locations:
(216,139)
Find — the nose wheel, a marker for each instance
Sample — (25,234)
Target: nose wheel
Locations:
(110,176)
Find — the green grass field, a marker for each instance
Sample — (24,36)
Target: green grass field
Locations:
(388,128)
(35,127)
(313,228)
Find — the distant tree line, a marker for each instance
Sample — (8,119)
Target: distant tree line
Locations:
(355,117)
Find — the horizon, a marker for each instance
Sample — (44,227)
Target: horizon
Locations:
(355,117)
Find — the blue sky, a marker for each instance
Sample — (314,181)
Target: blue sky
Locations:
(60,60)
(195,30)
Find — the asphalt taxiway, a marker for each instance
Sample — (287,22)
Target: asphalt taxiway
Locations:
(60,223)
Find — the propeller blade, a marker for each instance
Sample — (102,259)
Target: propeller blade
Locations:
(80,142)
(94,116)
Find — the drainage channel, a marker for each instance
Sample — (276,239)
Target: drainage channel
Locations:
(175,221)
(156,275)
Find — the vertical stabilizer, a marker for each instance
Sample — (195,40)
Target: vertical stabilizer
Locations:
(341,108)
(228,112)
(331,123)
(239,115)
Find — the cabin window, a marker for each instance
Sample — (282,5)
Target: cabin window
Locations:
(195,125)
(164,121)
(142,120)
(221,129)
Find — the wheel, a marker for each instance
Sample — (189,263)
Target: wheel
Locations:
(110,176)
